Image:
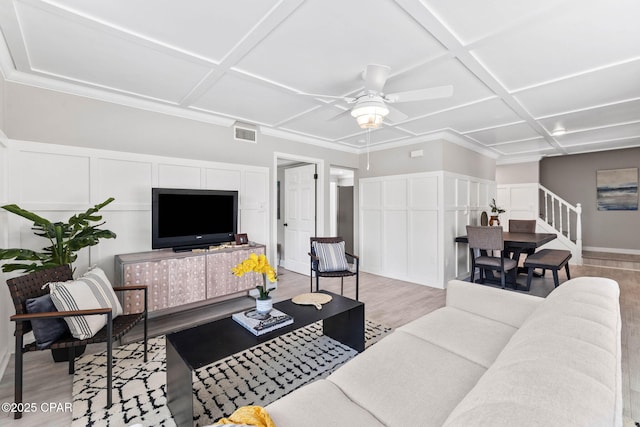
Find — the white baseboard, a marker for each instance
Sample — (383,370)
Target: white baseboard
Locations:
(612,250)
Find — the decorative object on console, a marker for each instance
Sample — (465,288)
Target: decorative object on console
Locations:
(259,264)
(66,239)
(241,239)
(260,323)
(495,211)
(312,298)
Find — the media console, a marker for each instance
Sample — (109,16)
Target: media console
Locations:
(177,279)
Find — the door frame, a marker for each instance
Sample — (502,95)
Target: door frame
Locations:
(320,195)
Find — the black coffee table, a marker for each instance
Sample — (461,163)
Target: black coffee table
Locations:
(342,320)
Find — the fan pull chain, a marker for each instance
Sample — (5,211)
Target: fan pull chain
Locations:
(368,143)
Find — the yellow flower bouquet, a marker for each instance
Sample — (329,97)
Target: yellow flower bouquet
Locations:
(257,264)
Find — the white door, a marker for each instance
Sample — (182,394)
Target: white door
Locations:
(299,216)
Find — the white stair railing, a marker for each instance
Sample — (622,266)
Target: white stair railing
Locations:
(562,216)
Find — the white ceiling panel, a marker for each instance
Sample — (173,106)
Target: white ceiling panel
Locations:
(492,112)
(101,59)
(466,87)
(513,132)
(596,117)
(304,50)
(521,147)
(250,101)
(600,87)
(564,43)
(517,67)
(606,145)
(171,23)
(611,133)
(378,136)
(323,123)
(473,20)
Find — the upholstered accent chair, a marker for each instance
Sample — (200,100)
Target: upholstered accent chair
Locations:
(31,287)
(329,259)
(484,244)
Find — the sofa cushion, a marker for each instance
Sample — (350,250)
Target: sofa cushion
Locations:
(404,380)
(468,335)
(561,368)
(320,403)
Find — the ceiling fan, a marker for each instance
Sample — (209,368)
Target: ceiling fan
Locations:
(370,106)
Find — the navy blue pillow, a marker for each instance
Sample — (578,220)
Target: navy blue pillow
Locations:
(46,331)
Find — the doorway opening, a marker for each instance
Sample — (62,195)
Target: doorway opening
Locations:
(299,207)
(341,202)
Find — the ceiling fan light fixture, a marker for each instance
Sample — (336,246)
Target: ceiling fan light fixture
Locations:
(369,113)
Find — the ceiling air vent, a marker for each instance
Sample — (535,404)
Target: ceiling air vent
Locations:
(245,132)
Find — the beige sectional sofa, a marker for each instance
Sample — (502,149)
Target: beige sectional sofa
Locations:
(489,358)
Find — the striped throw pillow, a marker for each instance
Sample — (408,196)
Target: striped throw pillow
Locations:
(93,290)
(331,256)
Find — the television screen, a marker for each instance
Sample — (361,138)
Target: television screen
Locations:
(186,219)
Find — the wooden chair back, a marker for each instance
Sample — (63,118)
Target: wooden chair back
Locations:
(522,225)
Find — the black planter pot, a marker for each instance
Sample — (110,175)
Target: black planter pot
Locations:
(62,354)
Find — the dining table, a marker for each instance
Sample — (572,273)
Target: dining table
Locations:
(516,243)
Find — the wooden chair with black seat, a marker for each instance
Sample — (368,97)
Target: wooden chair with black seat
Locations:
(329,259)
(481,240)
(37,299)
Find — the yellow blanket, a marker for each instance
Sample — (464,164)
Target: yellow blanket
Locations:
(250,415)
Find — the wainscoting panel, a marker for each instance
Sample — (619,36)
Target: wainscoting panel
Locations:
(128,181)
(395,235)
(222,179)
(179,176)
(44,179)
(371,240)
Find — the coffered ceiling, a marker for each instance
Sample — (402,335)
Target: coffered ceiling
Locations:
(520,69)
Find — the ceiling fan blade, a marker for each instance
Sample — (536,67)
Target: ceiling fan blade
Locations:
(421,94)
(395,115)
(375,76)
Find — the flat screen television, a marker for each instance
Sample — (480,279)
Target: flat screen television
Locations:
(185,219)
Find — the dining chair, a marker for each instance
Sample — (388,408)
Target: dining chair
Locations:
(481,241)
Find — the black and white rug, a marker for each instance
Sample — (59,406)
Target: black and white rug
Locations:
(257,376)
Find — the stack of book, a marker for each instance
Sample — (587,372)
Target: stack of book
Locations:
(259,324)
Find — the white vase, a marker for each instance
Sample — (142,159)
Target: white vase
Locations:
(264,305)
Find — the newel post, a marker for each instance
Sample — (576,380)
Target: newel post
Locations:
(579,232)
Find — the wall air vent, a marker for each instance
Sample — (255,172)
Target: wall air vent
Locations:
(245,132)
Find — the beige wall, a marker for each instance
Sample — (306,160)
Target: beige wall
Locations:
(574,179)
(437,155)
(520,173)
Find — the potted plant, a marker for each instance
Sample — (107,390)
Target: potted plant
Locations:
(66,239)
(495,212)
(259,264)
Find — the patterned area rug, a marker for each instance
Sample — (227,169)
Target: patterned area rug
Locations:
(257,376)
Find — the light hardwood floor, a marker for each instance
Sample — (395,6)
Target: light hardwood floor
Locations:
(390,302)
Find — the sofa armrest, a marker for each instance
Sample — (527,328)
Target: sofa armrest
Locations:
(501,305)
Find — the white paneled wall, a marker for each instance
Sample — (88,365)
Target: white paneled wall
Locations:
(409,223)
(58,181)
(399,235)
(465,200)
(519,200)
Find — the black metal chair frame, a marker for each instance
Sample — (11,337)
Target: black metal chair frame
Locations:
(314,260)
(31,286)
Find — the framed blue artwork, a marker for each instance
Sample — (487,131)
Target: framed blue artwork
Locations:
(617,189)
